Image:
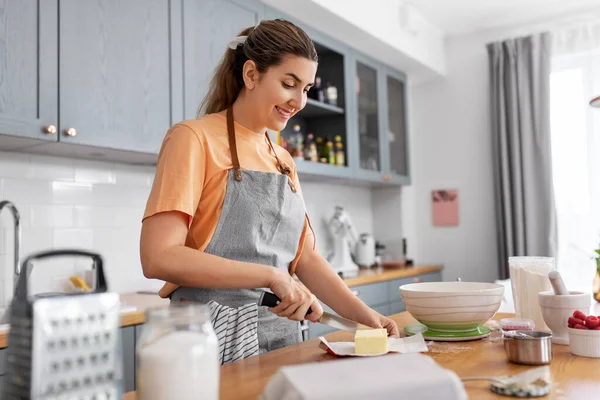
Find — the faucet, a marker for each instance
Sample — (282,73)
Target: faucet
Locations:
(17,242)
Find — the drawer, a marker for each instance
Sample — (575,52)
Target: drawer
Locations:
(397,307)
(383,309)
(394,286)
(373,294)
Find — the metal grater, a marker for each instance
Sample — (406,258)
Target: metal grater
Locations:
(64,346)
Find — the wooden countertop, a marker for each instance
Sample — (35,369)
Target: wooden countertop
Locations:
(374,275)
(140,301)
(573,377)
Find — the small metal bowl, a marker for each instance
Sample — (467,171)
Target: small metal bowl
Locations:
(529,347)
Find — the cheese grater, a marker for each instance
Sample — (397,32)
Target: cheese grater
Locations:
(64,345)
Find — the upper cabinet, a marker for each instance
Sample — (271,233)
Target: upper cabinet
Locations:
(367,107)
(28,70)
(396,128)
(114,89)
(106,79)
(208,26)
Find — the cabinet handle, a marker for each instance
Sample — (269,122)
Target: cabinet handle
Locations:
(356,293)
(50,130)
(417,280)
(71,132)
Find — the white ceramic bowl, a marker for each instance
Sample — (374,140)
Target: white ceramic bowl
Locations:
(557,309)
(452,306)
(584,343)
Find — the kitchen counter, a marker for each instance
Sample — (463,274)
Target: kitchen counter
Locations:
(374,275)
(141,302)
(573,377)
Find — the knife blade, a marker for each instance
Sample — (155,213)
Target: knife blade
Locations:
(271,300)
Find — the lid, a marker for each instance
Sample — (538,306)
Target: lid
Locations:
(595,102)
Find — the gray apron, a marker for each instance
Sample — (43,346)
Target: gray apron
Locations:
(261,222)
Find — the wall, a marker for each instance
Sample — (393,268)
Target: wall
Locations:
(451,147)
(94,205)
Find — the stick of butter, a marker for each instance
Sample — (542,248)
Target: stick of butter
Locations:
(371,341)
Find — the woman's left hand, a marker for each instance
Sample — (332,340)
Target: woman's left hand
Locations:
(376,320)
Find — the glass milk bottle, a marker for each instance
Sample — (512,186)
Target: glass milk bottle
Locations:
(528,277)
(177,354)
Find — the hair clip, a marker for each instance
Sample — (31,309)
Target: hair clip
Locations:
(236,41)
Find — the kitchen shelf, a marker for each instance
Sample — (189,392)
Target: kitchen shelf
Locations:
(313,169)
(315,109)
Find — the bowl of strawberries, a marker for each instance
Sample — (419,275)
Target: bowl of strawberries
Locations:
(584,334)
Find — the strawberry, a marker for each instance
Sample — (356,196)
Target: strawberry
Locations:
(574,321)
(579,326)
(579,315)
(592,322)
(597,328)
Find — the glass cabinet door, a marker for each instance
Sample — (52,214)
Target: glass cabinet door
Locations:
(368,118)
(396,126)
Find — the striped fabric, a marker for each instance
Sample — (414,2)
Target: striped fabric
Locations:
(236,329)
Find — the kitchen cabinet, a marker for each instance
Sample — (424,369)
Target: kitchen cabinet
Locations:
(395,129)
(28,71)
(208,26)
(113,66)
(383,297)
(2,361)
(128,344)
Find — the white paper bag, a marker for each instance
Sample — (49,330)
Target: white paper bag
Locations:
(393,377)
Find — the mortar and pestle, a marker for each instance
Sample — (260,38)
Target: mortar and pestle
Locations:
(559,304)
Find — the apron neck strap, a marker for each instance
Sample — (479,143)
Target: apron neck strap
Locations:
(232,146)
(284,169)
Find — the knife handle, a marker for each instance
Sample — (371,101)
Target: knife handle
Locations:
(271,300)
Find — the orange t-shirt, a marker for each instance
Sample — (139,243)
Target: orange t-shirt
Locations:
(192,171)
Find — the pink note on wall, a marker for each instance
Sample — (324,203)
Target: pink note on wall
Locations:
(445,207)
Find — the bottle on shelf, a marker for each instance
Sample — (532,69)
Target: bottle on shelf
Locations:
(322,150)
(330,152)
(317,92)
(339,152)
(331,94)
(310,149)
(298,142)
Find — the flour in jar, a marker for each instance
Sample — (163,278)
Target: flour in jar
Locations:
(529,276)
(182,365)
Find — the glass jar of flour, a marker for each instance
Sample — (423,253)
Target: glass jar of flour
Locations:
(177,354)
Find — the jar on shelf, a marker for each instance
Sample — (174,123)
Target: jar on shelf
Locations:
(178,354)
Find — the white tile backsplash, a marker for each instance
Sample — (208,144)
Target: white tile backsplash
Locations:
(71,203)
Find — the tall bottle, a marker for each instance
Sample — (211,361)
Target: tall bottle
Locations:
(318,93)
(298,142)
(330,152)
(331,94)
(310,148)
(340,159)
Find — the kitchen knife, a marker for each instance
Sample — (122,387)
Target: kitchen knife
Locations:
(271,300)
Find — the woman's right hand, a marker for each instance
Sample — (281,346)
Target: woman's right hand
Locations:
(296,299)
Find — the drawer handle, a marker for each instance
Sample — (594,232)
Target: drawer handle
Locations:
(356,293)
(417,280)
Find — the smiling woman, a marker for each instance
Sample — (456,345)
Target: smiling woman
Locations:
(226,219)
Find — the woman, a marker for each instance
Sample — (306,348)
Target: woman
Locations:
(225,218)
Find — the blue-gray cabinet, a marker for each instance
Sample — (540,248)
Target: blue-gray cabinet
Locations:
(115,73)
(208,26)
(395,129)
(128,345)
(91,74)
(28,71)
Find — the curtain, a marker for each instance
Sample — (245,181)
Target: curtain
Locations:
(520,111)
(575,126)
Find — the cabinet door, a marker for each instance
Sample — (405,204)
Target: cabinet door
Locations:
(28,68)
(368,120)
(115,73)
(208,26)
(396,132)
(128,343)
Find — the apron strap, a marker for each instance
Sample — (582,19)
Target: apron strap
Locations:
(284,169)
(232,146)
